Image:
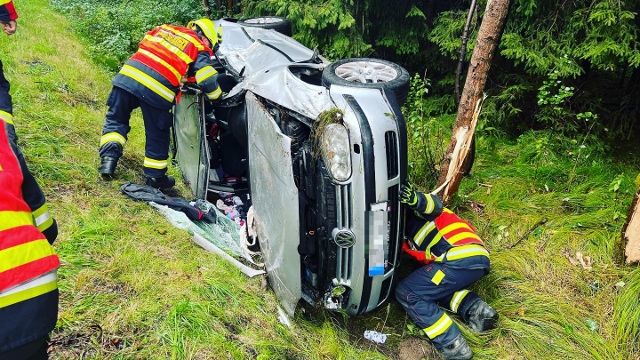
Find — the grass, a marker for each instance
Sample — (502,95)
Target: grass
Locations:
(134,287)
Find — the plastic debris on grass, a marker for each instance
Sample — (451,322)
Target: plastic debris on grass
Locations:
(224,233)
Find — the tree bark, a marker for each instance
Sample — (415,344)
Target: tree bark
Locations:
(207,8)
(489,35)
(631,232)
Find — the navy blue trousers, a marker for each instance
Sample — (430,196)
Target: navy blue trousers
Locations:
(157,126)
(6,105)
(432,287)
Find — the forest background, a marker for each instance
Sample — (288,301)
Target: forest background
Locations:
(557,139)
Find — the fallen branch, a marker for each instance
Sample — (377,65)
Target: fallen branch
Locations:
(541,222)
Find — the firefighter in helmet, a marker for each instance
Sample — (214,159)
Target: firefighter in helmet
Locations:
(151,80)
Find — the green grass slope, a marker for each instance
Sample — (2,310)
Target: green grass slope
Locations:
(134,287)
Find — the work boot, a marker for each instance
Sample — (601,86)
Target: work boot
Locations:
(457,349)
(107,166)
(165,182)
(481,317)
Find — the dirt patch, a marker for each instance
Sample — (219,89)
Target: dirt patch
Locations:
(416,349)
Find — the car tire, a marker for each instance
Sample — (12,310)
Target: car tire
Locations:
(277,23)
(368,73)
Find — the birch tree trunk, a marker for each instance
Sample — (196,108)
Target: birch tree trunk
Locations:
(489,35)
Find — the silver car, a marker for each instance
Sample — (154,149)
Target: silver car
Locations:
(318,148)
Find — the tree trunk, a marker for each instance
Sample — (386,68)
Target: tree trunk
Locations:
(207,8)
(631,233)
(491,29)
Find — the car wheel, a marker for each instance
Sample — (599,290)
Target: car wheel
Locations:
(365,72)
(279,24)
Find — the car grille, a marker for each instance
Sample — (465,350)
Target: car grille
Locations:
(344,219)
(391,142)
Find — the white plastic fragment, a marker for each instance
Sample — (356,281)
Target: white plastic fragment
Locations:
(375,336)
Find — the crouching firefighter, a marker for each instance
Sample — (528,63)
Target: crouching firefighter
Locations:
(28,263)
(151,80)
(455,258)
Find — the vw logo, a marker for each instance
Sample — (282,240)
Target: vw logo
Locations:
(344,238)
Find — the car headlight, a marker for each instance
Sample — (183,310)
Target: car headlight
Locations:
(336,151)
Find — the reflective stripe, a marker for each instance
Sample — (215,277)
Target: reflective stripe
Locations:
(151,83)
(439,327)
(3,2)
(8,118)
(24,253)
(457,298)
(155,164)
(455,226)
(43,219)
(40,286)
(214,94)
(112,136)
(464,235)
(179,53)
(160,61)
(205,73)
(466,251)
(430,204)
(13,219)
(422,233)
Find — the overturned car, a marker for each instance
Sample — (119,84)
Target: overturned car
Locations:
(318,148)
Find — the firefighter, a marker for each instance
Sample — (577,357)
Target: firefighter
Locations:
(455,258)
(8,16)
(28,263)
(151,80)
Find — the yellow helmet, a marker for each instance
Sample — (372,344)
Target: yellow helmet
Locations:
(207,28)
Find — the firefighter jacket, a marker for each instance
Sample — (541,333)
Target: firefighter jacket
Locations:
(7,11)
(435,233)
(165,56)
(28,263)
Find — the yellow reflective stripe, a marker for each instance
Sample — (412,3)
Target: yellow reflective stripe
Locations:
(214,94)
(179,53)
(160,61)
(155,164)
(466,251)
(29,293)
(422,233)
(439,327)
(457,237)
(8,118)
(430,204)
(13,219)
(153,84)
(457,298)
(112,136)
(455,226)
(437,278)
(195,42)
(24,254)
(43,219)
(2,2)
(205,73)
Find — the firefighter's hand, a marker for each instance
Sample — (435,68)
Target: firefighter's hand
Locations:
(9,27)
(408,194)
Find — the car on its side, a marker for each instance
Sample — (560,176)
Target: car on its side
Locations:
(320,150)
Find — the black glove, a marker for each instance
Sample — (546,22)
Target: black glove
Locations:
(408,194)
